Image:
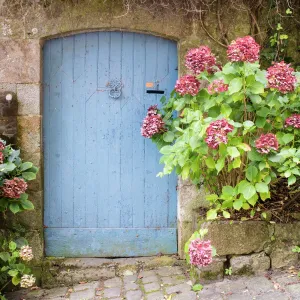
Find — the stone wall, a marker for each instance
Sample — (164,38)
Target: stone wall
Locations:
(250,247)
(25,25)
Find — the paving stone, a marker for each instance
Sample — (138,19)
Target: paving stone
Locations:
(169,271)
(86,295)
(257,285)
(85,286)
(147,273)
(149,279)
(155,296)
(275,296)
(152,287)
(113,282)
(130,278)
(180,288)
(293,289)
(286,279)
(227,286)
(185,296)
(55,293)
(134,295)
(245,295)
(173,280)
(112,292)
(131,286)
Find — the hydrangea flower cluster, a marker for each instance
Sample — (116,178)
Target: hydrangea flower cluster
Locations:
(27,281)
(187,85)
(266,142)
(14,188)
(153,123)
(200,253)
(293,121)
(200,59)
(26,253)
(217,86)
(243,49)
(2,145)
(280,77)
(217,133)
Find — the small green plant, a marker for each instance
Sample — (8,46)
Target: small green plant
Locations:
(197,287)
(296,249)
(228,271)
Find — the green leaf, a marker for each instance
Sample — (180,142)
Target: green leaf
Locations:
(226,214)
(14,207)
(4,256)
(8,167)
(194,142)
(29,175)
(246,189)
(256,99)
(260,76)
(251,173)
(253,199)
(260,122)
(211,214)
(248,124)
(166,150)
(220,164)
(13,273)
(168,136)
(16,280)
(228,190)
(237,204)
(12,246)
(212,197)
(265,196)
(26,165)
(210,163)
(263,112)
(197,287)
(26,204)
(291,180)
(262,187)
(288,137)
(244,147)
(256,88)
(226,110)
(235,85)
(236,163)
(233,152)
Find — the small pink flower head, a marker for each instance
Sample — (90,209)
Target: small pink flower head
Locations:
(217,86)
(187,84)
(14,188)
(243,49)
(280,77)
(293,121)
(26,253)
(1,157)
(152,110)
(266,142)
(2,145)
(200,59)
(200,253)
(152,125)
(216,133)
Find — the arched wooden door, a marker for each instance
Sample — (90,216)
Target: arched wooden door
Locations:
(102,196)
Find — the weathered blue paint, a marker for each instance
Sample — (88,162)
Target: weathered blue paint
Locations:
(102,196)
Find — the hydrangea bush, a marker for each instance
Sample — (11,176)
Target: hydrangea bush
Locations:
(237,132)
(15,252)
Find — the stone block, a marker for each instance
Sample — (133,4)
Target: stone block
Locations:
(29,97)
(214,271)
(8,129)
(287,232)
(237,237)
(282,257)
(20,61)
(29,133)
(36,241)
(250,264)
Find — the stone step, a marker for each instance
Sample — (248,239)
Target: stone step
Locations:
(69,271)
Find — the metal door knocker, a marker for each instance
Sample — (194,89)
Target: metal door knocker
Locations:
(114,88)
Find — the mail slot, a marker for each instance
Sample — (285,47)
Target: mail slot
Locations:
(155,92)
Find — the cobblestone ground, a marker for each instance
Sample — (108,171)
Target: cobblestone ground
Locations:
(171,283)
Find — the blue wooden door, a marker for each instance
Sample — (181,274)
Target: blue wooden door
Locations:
(102,196)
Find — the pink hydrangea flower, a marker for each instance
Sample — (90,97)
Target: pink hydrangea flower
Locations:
(200,59)
(2,145)
(187,84)
(293,121)
(14,188)
(280,77)
(216,133)
(26,253)
(1,158)
(200,253)
(266,142)
(243,49)
(153,123)
(217,86)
